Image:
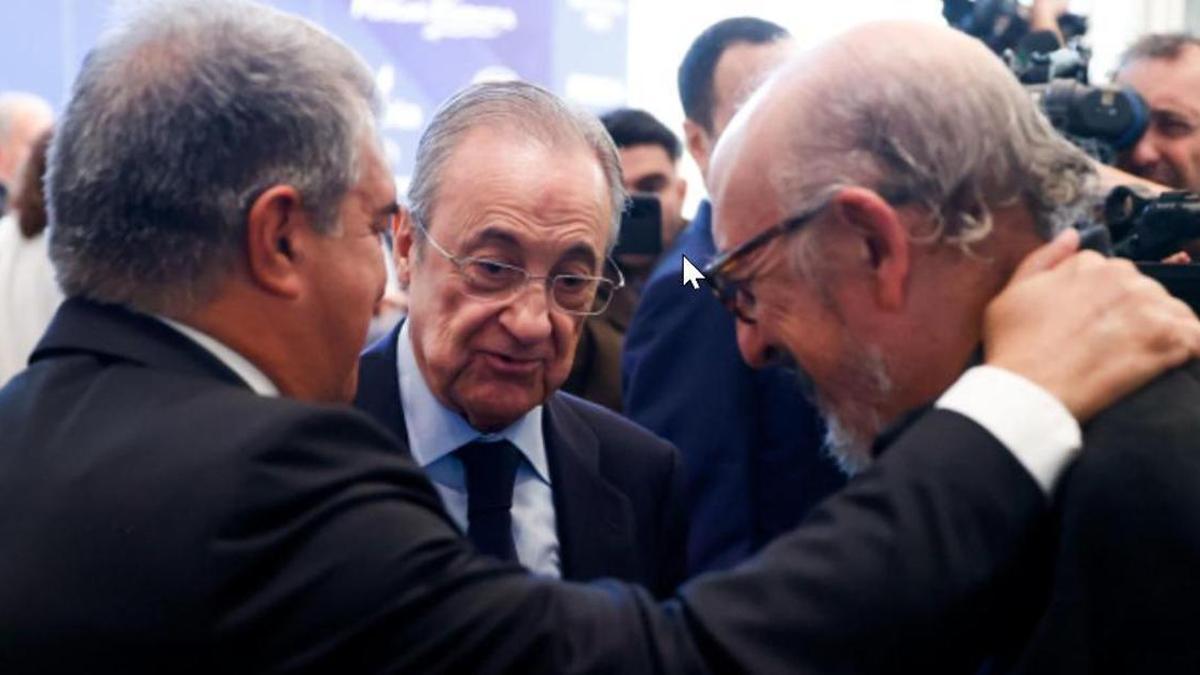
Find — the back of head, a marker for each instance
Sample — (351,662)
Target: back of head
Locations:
(630,126)
(532,114)
(700,63)
(179,118)
(29,200)
(924,115)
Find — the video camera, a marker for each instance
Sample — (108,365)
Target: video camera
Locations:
(999,23)
(1100,120)
(1146,228)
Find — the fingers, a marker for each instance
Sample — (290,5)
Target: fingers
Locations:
(1049,255)
(1180,258)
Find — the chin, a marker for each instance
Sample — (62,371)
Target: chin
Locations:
(849,449)
(496,408)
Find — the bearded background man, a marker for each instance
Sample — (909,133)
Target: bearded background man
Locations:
(891,216)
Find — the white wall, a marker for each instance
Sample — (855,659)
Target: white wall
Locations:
(660,31)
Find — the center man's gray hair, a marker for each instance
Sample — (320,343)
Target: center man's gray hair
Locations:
(180,117)
(959,137)
(538,115)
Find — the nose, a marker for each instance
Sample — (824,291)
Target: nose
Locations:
(527,316)
(1145,154)
(754,348)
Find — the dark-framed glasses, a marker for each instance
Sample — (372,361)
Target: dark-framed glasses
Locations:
(722,273)
(496,281)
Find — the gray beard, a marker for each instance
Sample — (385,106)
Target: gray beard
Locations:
(852,425)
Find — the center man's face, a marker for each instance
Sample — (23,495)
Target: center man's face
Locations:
(514,200)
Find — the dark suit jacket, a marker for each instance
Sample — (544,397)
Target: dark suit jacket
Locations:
(751,443)
(1125,592)
(157,516)
(617,489)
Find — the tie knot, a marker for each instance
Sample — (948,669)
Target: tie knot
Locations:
(491,470)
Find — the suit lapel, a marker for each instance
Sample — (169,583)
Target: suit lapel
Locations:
(595,522)
(378,392)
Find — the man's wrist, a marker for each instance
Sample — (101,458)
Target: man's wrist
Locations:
(1033,424)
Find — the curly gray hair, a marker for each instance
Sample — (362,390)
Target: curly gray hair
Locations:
(957,136)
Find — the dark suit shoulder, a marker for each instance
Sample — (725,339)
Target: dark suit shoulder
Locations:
(1147,439)
(616,433)
(1125,595)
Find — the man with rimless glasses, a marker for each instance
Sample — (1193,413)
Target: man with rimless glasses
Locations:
(503,249)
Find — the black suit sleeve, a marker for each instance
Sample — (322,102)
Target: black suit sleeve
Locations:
(673,527)
(891,575)
(338,558)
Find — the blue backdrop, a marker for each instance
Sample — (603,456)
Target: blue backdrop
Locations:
(420,50)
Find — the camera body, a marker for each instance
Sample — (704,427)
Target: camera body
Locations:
(1100,120)
(1148,228)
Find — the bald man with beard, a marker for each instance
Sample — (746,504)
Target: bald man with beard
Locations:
(871,201)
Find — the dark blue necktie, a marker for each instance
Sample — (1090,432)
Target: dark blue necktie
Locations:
(491,470)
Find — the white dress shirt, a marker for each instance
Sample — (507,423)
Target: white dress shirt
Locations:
(1034,425)
(435,432)
(240,365)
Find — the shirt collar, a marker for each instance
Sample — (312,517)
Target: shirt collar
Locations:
(240,365)
(435,431)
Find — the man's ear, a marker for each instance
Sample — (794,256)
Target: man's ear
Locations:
(680,188)
(276,227)
(698,144)
(403,249)
(886,248)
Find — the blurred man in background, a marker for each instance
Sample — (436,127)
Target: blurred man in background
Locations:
(751,444)
(1165,70)
(28,292)
(887,221)
(23,117)
(649,165)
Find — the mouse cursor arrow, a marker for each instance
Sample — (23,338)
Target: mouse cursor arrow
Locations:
(691,274)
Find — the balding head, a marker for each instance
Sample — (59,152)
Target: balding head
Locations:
(23,117)
(916,112)
(924,173)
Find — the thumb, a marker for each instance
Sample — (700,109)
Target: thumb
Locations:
(1049,255)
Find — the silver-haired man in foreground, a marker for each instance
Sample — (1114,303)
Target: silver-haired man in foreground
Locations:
(178,496)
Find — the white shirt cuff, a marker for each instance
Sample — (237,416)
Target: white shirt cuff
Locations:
(1034,425)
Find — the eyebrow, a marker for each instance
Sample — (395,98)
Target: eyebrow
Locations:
(579,251)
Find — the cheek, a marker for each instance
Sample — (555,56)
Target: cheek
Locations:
(444,325)
(566,340)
